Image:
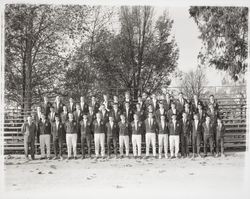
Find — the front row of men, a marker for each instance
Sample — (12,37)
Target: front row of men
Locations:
(175,132)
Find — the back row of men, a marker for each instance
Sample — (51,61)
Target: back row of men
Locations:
(165,105)
(174,122)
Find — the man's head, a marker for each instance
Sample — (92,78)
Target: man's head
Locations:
(57,118)
(211,98)
(29,119)
(43,117)
(180,95)
(173,105)
(127,95)
(93,99)
(115,106)
(115,98)
(78,107)
(85,117)
(105,97)
(111,118)
(98,116)
(82,99)
(186,105)
(122,117)
(71,100)
(52,109)
(102,107)
(174,116)
(219,121)
(70,117)
(150,108)
(199,106)
(163,118)
(167,96)
(64,108)
(196,117)
(90,108)
(162,97)
(38,109)
(135,117)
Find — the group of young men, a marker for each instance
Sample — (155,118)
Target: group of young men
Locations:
(172,123)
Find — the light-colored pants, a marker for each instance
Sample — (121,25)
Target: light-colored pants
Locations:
(71,141)
(163,143)
(136,142)
(124,140)
(45,141)
(150,139)
(99,139)
(174,141)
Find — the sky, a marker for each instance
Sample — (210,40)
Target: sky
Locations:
(186,34)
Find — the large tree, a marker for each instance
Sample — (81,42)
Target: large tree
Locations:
(34,50)
(141,56)
(224,33)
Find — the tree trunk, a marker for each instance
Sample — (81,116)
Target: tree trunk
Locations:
(28,69)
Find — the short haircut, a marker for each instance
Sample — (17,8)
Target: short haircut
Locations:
(172,103)
(211,95)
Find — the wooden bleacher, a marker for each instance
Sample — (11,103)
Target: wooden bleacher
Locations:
(232,113)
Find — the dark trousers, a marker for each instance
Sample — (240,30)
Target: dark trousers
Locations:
(57,144)
(109,141)
(196,141)
(208,139)
(29,143)
(184,145)
(219,144)
(85,139)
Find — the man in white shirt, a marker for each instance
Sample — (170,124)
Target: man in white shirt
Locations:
(151,128)
(137,129)
(174,136)
(163,136)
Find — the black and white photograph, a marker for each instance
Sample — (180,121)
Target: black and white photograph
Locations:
(119,99)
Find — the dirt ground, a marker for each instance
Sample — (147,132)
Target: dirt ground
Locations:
(122,178)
